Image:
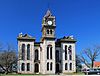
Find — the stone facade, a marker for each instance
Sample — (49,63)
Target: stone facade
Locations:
(50,55)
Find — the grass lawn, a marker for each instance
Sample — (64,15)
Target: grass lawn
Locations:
(17,75)
(40,74)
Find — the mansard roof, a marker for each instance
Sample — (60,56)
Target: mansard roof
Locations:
(66,39)
(25,37)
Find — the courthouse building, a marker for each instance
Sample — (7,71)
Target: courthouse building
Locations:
(50,55)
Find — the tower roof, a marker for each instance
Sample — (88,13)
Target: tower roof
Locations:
(48,13)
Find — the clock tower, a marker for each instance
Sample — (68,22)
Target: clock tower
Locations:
(48,46)
(48,26)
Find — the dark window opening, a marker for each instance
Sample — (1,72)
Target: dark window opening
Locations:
(57,55)
(70,57)
(50,31)
(66,66)
(47,66)
(65,52)
(28,52)
(47,31)
(51,66)
(47,52)
(70,66)
(23,67)
(36,70)
(70,50)
(50,52)
(36,54)
(23,51)
(28,66)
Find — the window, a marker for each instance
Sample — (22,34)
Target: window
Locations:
(23,67)
(66,66)
(70,52)
(50,52)
(47,31)
(50,31)
(65,52)
(36,68)
(36,54)
(28,66)
(70,49)
(51,66)
(28,52)
(47,52)
(47,66)
(23,51)
(57,55)
(70,57)
(70,66)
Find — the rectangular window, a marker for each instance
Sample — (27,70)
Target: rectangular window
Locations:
(47,52)
(28,66)
(50,52)
(57,55)
(70,57)
(70,66)
(65,52)
(23,67)
(51,66)
(66,66)
(47,66)
(23,51)
(28,52)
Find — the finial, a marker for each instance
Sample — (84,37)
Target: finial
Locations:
(71,37)
(48,5)
(20,34)
(48,13)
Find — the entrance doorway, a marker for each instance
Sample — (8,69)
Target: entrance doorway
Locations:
(57,68)
(36,68)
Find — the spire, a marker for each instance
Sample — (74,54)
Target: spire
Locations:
(48,13)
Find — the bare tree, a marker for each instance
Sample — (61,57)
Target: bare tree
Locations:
(89,55)
(78,64)
(8,58)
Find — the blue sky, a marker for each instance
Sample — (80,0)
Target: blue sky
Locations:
(80,18)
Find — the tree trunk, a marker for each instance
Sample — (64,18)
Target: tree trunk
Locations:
(92,63)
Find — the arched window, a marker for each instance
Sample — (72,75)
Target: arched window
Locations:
(51,66)
(47,31)
(70,66)
(70,57)
(50,31)
(36,54)
(70,52)
(47,66)
(66,66)
(57,55)
(51,52)
(28,52)
(23,67)
(23,51)
(47,52)
(65,52)
(28,66)
(36,70)
(70,49)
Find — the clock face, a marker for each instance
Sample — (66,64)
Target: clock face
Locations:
(49,22)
